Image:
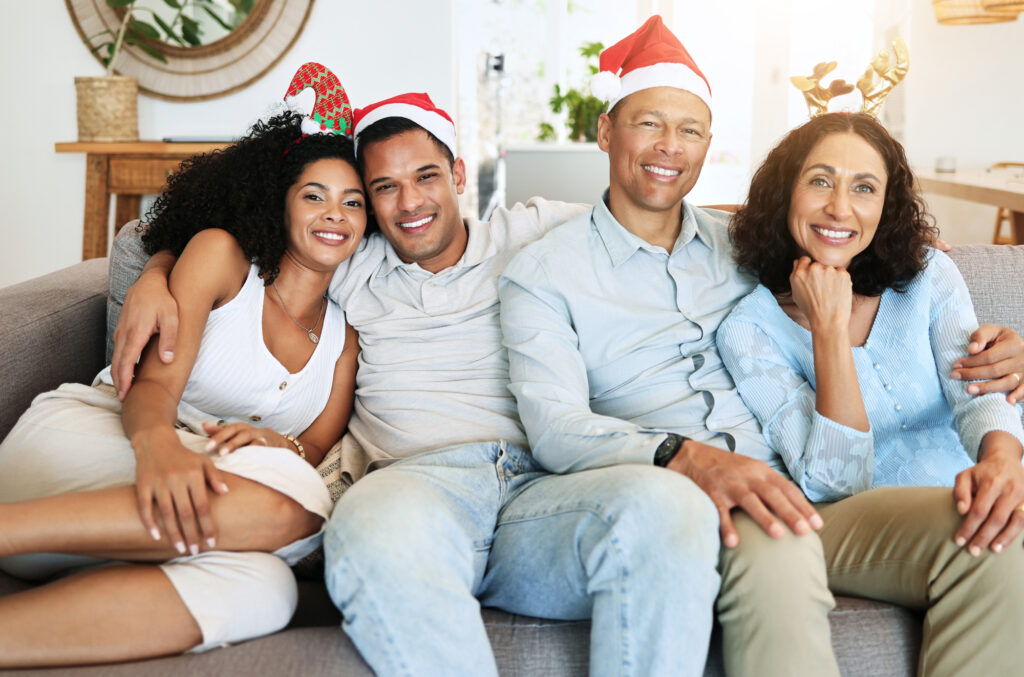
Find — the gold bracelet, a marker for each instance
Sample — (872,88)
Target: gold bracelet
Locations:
(298,446)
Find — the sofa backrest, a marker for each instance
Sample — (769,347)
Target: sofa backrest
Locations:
(995,278)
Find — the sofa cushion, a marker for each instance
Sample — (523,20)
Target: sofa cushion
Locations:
(870,638)
(127,257)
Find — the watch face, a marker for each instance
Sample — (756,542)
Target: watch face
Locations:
(667,449)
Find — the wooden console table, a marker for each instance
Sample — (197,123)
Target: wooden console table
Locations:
(996,188)
(127,171)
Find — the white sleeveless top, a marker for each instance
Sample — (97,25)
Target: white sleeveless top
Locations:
(236,378)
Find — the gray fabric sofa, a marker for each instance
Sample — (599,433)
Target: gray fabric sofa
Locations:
(52,330)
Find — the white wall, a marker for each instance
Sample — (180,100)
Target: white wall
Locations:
(964,98)
(42,193)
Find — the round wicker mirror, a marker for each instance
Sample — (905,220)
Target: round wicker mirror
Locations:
(206,71)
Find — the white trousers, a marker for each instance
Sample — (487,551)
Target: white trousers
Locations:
(71,439)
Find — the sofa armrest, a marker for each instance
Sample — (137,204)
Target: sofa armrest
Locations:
(52,331)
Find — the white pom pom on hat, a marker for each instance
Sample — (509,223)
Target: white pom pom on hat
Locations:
(606,86)
(651,56)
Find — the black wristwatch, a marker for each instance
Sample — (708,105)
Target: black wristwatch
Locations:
(668,449)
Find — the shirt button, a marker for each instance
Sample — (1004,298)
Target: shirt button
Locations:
(255,418)
(284,384)
(888,387)
(877,366)
(221,423)
(903,427)
(899,407)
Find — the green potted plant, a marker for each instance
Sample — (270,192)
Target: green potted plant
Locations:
(108,104)
(580,107)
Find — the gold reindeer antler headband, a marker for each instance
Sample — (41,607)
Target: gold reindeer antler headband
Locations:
(875,85)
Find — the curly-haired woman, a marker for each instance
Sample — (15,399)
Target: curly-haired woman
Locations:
(845,353)
(184,506)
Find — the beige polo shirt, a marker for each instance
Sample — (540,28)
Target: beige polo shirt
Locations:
(432,370)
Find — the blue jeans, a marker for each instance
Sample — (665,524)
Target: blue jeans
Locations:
(412,548)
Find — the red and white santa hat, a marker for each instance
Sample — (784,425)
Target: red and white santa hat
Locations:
(415,107)
(650,57)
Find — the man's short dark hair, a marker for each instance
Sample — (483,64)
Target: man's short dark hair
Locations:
(386,128)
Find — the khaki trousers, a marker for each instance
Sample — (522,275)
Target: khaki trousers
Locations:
(894,545)
(773,605)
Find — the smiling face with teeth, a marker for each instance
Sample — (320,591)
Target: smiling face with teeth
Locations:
(656,140)
(414,190)
(325,214)
(837,199)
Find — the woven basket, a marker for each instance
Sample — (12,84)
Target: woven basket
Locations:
(108,108)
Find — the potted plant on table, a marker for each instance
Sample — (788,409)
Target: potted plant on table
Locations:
(108,104)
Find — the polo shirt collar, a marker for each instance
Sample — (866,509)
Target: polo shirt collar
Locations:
(480,246)
(622,244)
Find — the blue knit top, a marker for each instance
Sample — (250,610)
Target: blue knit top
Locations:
(925,427)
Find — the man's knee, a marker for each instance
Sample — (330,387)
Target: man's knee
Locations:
(376,514)
(655,513)
(392,528)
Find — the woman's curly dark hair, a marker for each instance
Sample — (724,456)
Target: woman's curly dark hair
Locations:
(242,190)
(760,233)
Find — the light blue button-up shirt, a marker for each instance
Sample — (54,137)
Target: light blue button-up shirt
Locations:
(611,341)
(925,427)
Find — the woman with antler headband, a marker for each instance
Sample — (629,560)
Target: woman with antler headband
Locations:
(181,510)
(845,353)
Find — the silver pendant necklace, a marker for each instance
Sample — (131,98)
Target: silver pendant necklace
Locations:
(309,330)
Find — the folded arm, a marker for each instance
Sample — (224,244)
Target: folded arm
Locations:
(169,477)
(826,459)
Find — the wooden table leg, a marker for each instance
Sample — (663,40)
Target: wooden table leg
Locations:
(126,208)
(1018,227)
(97,206)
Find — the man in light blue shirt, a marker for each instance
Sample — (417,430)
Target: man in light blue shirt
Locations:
(610,325)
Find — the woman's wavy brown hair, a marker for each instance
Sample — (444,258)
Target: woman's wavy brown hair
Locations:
(760,229)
